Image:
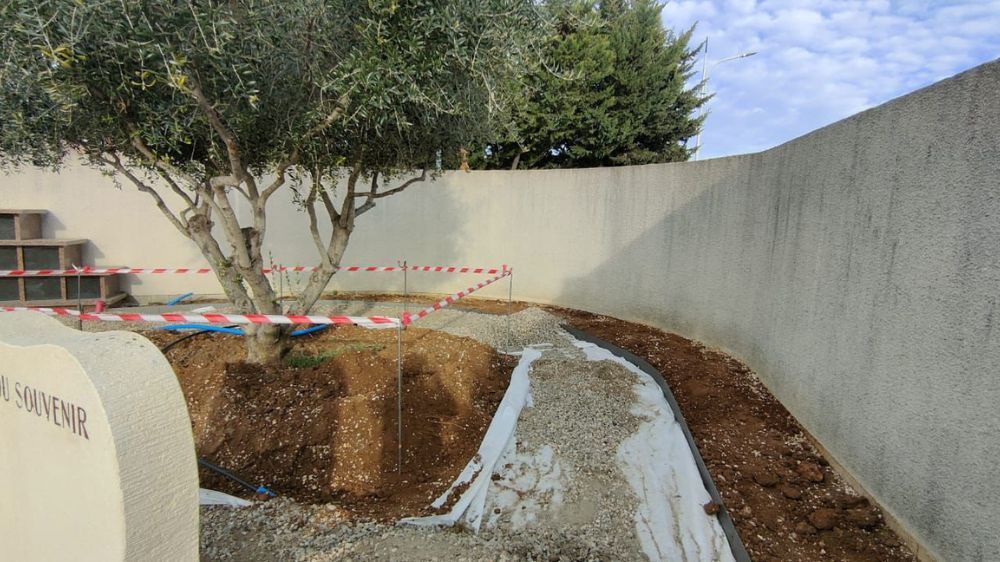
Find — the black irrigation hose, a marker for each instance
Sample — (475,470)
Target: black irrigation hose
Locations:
(732,535)
(167,347)
(219,470)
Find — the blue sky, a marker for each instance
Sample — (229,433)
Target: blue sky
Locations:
(819,61)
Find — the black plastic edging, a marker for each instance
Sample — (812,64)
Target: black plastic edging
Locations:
(735,543)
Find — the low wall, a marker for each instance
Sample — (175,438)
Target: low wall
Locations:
(856,269)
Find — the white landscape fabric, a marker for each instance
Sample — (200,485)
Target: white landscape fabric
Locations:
(469,507)
(670,521)
(211,497)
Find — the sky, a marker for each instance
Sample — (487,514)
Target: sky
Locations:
(819,61)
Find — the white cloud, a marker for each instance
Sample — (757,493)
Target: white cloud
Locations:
(822,60)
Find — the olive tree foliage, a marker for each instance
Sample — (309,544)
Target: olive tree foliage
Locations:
(200,104)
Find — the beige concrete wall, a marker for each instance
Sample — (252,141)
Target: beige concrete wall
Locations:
(857,269)
(123,226)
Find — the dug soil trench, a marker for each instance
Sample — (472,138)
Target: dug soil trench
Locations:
(322,427)
(786,501)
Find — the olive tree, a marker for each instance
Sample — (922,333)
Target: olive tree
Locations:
(202,103)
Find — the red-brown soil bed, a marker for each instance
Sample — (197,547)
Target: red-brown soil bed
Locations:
(322,427)
(472,304)
(785,499)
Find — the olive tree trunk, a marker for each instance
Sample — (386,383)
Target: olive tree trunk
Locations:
(241,270)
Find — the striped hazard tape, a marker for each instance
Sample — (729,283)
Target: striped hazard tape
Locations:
(455,269)
(345,268)
(212,318)
(411,318)
(431,268)
(207,270)
(289,319)
(100,271)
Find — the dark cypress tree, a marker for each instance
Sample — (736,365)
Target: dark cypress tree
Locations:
(612,91)
(653,110)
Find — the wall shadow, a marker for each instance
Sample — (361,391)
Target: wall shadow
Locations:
(841,269)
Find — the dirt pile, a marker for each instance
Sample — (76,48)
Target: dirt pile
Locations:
(322,427)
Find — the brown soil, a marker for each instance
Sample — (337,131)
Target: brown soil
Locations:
(786,501)
(325,429)
(471,303)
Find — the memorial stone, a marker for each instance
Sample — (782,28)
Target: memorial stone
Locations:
(96,453)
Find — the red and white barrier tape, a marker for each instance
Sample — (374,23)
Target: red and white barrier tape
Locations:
(210,318)
(410,318)
(100,270)
(206,270)
(213,318)
(431,268)
(455,269)
(345,268)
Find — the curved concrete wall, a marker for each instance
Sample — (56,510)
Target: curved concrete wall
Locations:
(856,269)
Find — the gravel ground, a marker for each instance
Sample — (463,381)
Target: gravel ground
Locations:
(561,496)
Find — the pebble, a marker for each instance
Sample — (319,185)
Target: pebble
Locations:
(824,519)
(804,528)
(791,492)
(810,471)
(765,478)
(864,518)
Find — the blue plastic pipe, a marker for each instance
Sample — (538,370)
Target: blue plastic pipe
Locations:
(203,328)
(176,300)
(310,330)
(235,331)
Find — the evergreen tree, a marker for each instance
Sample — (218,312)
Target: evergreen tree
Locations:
(612,92)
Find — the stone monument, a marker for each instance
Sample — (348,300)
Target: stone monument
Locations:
(96,452)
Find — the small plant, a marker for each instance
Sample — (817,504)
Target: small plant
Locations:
(298,360)
(306,360)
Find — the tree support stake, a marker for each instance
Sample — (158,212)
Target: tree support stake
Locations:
(399,398)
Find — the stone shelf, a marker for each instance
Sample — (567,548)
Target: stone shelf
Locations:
(22,247)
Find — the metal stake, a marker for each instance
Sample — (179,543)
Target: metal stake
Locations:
(399,398)
(510,295)
(79,299)
(406,294)
(281,289)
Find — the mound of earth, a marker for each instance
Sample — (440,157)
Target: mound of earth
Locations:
(322,427)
